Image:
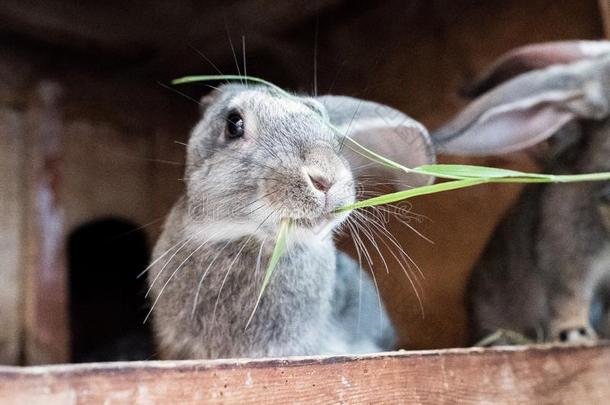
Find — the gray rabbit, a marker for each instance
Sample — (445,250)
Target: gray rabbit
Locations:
(546,272)
(254,158)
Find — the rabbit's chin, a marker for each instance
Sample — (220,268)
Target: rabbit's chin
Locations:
(323,223)
(304,229)
(307,230)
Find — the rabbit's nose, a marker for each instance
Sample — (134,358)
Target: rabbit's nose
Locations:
(320,183)
(317,179)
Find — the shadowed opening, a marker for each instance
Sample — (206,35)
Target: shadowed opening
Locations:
(107,303)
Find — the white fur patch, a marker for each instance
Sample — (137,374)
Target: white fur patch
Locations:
(594,48)
(215,231)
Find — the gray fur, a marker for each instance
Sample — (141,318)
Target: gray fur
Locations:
(549,260)
(546,271)
(318,300)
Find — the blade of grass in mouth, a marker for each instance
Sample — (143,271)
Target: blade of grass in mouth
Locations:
(278,251)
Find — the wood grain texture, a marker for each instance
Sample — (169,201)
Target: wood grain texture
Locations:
(46,337)
(541,375)
(11,217)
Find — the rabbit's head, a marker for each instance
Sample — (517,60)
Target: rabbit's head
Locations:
(258,156)
(557,94)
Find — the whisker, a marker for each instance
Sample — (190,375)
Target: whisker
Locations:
(166,264)
(410,214)
(352,231)
(243,245)
(315,58)
(232,263)
(243,51)
(196,299)
(174,273)
(346,134)
(370,261)
(232,48)
(206,59)
(358,168)
(179,93)
(258,199)
(159,258)
(169,162)
(391,238)
(411,281)
(370,237)
(139,228)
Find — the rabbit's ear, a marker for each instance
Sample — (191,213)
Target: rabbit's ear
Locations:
(208,99)
(533,57)
(385,131)
(531,107)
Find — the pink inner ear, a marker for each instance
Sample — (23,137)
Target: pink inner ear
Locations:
(509,131)
(532,57)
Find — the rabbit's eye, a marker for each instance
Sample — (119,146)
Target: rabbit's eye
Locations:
(235,125)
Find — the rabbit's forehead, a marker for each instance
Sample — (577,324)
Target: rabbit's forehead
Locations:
(263,104)
(267,115)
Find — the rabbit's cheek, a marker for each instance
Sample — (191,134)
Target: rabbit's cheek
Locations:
(290,196)
(247,143)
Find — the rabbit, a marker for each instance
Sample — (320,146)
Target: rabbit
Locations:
(545,273)
(255,157)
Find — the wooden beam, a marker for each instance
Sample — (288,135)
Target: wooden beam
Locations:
(604,6)
(46,297)
(11,216)
(541,374)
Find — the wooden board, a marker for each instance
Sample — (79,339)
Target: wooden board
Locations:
(543,374)
(11,221)
(46,337)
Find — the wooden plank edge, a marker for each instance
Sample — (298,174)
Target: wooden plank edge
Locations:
(543,374)
(294,361)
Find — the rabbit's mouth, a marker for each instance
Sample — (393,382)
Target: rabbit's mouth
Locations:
(312,222)
(321,222)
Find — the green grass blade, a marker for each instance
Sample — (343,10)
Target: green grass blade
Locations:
(504,175)
(469,182)
(573,178)
(414,192)
(446,171)
(278,251)
(210,78)
(470,171)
